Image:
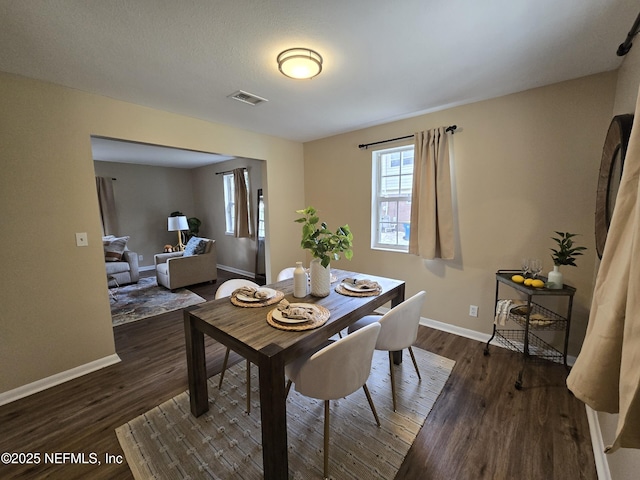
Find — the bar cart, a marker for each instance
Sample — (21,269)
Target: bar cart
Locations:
(528,317)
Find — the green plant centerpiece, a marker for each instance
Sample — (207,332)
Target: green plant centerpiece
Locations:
(324,246)
(565,254)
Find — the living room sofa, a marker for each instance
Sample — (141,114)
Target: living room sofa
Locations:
(197,264)
(121,266)
(123,272)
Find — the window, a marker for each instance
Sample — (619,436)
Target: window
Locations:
(229,200)
(392,183)
(260,215)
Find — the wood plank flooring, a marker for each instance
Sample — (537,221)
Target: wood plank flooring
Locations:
(481,427)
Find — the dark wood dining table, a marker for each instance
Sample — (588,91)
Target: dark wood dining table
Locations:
(246,331)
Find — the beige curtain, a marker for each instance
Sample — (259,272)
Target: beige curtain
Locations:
(241,209)
(431,206)
(606,375)
(107,204)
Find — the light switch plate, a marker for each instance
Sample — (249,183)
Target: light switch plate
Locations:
(81,239)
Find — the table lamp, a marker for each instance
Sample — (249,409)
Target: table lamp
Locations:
(178,224)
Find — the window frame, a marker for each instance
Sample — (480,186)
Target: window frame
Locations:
(378,197)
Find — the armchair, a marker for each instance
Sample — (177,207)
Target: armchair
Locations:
(121,264)
(176,270)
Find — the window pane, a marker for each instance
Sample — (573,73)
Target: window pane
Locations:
(390,185)
(407,161)
(229,196)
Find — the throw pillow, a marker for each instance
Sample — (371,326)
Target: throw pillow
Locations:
(195,246)
(114,249)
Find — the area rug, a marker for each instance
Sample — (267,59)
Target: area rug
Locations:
(146,299)
(168,442)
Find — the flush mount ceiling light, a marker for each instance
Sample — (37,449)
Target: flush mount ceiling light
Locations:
(300,63)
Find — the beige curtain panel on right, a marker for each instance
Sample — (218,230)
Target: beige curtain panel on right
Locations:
(431,205)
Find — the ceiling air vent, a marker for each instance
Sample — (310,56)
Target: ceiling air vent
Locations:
(247,97)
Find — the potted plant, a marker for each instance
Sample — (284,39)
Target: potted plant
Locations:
(324,246)
(564,254)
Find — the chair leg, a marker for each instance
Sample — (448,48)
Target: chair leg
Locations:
(326,439)
(224,367)
(248,387)
(415,364)
(287,388)
(373,408)
(393,383)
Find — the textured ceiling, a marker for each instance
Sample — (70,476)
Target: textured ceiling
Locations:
(383,60)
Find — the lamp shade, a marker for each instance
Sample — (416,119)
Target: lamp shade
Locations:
(177,223)
(300,63)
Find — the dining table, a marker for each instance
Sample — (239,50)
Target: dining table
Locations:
(247,332)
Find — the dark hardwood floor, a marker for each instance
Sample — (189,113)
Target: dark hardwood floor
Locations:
(481,427)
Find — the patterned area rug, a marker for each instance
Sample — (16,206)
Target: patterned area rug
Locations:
(167,442)
(146,299)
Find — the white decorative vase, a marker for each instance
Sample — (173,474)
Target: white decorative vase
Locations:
(320,278)
(554,280)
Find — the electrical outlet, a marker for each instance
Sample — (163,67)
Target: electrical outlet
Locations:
(140,258)
(81,239)
(473,310)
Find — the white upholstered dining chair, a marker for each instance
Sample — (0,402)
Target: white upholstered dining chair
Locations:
(335,371)
(399,331)
(225,290)
(285,273)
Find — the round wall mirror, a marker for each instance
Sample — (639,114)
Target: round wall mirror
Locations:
(611,165)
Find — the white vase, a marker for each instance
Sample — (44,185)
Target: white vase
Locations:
(555,280)
(320,278)
(300,282)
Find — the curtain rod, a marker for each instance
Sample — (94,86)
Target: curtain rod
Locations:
(624,47)
(450,128)
(229,171)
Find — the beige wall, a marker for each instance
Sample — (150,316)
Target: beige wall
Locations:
(525,165)
(624,463)
(145,196)
(55,308)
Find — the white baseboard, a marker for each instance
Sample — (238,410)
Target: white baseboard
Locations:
(237,271)
(461,332)
(57,379)
(146,268)
(597,443)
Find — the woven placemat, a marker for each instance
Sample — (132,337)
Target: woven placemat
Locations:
(320,319)
(350,293)
(263,303)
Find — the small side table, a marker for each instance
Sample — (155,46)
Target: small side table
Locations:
(518,335)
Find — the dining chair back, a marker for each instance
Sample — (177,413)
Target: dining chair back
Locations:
(399,330)
(225,290)
(334,372)
(228,287)
(285,273)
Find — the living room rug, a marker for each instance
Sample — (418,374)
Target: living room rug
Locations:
(146,299)
(168,442)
